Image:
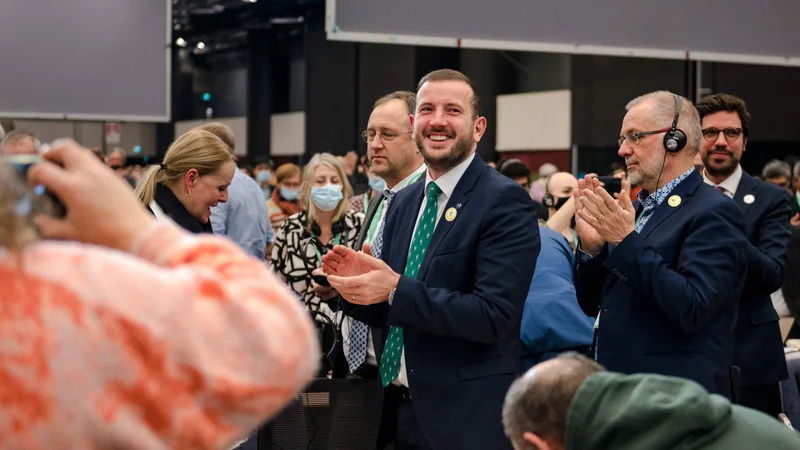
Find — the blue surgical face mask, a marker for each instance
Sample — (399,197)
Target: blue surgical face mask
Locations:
(289,194)
(326,197)
(377,184)
(263,176)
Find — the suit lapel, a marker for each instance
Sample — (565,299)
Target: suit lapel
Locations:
(457,201)
(684,190)
(406,222)
(368,215)
(747,185)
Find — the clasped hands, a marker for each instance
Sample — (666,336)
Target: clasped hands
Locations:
(358,277)
(599,217)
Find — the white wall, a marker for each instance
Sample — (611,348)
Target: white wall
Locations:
(287,132)
(534,121)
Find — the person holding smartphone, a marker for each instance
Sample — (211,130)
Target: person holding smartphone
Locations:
(120,331)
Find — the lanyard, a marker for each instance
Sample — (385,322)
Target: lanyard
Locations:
(376,218)
(375,222)
(366,202)
(336,241)
(797,198)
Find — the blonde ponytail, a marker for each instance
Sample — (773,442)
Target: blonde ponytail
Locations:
(146,189)
(196,149)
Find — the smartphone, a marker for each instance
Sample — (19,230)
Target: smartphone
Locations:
(611,185)
(23,163)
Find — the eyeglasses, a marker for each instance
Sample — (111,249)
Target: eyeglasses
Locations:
(386,136)
(731,134)
(634,138)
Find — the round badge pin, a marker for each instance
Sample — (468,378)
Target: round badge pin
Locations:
(749,199)
(450,215)
(674,201)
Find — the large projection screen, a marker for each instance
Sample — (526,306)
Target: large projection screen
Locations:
(85,59)
(749,31)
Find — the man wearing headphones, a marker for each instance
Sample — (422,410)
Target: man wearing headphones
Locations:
(662,277)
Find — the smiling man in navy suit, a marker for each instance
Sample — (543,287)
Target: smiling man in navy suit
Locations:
(766,209)
(664,277)
(457,253)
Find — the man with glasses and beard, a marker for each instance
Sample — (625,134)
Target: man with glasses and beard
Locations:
(759,349)
(458,252)
(663,277)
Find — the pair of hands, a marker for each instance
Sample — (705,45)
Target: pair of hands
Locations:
(795,221)
(600,218)
(357,276)
(101,207)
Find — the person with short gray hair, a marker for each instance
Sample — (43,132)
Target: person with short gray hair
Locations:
(572,403)
(663,277)
(778,173)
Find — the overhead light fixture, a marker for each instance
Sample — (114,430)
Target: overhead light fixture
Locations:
(250,1)
(286,20)
(181,42)
(201,45)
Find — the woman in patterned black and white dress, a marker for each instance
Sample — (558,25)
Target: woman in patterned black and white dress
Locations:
(326,221)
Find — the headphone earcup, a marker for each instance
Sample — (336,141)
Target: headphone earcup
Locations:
(548,200)
(674,141)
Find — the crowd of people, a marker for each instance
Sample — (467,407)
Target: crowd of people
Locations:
(444,278)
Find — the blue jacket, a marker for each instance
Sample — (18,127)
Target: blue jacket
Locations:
(759,348)
(552,321)
(461,315)
(668,296)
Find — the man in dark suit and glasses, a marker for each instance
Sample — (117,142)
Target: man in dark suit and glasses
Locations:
(393,156)
(458,252)
(663,277)
(767,211)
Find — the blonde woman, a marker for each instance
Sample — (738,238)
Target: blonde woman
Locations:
(194,176)
(131,336)
(326,221)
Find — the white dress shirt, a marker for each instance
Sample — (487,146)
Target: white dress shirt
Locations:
(730,184)
(371,359)
(447,183)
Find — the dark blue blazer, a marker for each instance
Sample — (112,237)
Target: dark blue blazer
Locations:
(669,295)
(461,316)
(759,348)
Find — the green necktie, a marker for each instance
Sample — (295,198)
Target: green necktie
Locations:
(390,361)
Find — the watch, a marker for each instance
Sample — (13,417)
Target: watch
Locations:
(391,296)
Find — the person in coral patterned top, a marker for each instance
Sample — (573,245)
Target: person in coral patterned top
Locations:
(136,334)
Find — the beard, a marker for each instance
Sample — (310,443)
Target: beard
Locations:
(646,176)
(719,170)
(461,149)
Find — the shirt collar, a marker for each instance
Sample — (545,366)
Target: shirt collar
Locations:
(662,193)
(731,183)
(407,180)
(447,182)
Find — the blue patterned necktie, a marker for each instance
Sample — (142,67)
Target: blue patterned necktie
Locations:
(648,209)
(360,330)
(393,351)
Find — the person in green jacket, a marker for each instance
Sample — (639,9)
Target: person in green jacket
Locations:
(572,403)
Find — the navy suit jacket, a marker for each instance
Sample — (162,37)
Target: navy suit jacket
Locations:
(668,295)
(759,348)
(461,315)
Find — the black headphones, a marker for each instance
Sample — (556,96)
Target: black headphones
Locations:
(548,199)
(675,139)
